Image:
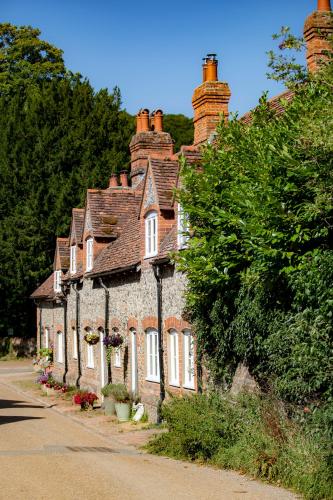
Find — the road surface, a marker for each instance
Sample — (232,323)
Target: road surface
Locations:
(45,455)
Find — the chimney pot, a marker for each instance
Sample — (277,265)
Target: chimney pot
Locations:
(113,181)
(123,178)
(324,5)
(138,122)
(211,68)
(158,120)
(145,120)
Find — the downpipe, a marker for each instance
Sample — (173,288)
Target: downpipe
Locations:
(158,276)
(77,328)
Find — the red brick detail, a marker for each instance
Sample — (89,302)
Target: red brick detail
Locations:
(72,324)
(132,323)
(115,323)
(209,101)
(177,324)
(86,324)
(100,323)
(149,322)
(59,327)
(317,29)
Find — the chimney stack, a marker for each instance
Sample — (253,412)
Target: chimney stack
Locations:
(113,181)
(149,140)
(209,100)
(123,178)
(318,28)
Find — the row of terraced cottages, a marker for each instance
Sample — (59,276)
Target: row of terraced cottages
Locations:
(113,273)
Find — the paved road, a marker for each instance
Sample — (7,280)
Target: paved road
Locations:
(45,455)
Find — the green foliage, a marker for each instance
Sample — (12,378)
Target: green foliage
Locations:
(57,138)
(119,393)
(24,58)
(181,129)
(250,434)
(107,390)
(259,263)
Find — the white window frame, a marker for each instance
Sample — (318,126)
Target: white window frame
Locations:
(117,357)
(152,358)
(60,347)
(89,254)
(46,337)
(73,259)
(151,234)
(74,343)
(182,227)
(57,281)
(173,358)
(188,352)
(90,356)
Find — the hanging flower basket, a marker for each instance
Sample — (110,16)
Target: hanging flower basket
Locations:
(91,338)
(112,342)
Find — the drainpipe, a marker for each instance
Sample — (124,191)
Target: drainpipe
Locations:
(65,339)
(158,276)
(77,328)
(40,326)
(106,321)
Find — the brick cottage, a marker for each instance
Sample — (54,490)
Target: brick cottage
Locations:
(113,273)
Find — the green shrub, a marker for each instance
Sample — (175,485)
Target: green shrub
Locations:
(107,390)
(252,434)
(120,393)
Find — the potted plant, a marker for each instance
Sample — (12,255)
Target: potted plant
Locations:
(85,399)
(112,341)
(91,338)
(109,402)
(122,402)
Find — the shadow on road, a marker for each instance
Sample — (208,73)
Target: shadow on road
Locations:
(6,419)
(12,403)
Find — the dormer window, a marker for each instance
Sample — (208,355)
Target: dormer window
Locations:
(73,259)
(182,227)
(57,281)
(151,234)
(89,254)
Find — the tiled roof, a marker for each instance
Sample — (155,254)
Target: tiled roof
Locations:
(169,243)
(275,104)
(165,175)
(63,249)
(123,252)
(109,209)
(45,290)
(79,273)
(77,222)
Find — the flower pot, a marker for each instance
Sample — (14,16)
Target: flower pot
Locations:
(123,411)
(109,406)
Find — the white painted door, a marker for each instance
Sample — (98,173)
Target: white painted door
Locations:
(134,362)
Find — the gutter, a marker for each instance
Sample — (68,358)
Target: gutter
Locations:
(77,328)
(158,276)
(65,340)
(132,267)
(106,325)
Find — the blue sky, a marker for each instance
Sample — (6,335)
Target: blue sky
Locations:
(152,50)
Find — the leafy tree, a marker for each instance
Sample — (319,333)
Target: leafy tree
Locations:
(181,129)
(259,263)
(57,138)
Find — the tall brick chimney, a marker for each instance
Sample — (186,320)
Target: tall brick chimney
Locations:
(317,28)
(149,140)
(209,100)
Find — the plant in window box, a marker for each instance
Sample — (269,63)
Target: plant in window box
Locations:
(91,338)
(123,401)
